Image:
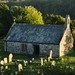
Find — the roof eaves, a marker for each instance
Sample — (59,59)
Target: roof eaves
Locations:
(32,42)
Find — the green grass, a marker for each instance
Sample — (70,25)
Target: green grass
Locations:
(20,57)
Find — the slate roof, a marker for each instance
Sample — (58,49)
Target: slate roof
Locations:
(50,34)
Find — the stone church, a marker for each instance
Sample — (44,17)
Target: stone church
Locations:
(40,39)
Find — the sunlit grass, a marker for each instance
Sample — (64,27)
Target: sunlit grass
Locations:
(11,63)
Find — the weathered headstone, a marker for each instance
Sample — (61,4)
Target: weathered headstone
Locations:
(6,67)
(25,62)
(50,56)
(1,67)
(20,67)
(10,57)
(45,60)
(2,62)
(53,63)
(32,59)
(5,60)
(41,61)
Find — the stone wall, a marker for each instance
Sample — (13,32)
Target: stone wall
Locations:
(66,43)
(30,49)
(16,47)
(13,47)
(44,49)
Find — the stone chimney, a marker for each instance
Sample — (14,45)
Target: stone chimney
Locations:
(67,21)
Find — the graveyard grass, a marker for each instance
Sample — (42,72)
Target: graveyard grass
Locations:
(61,68)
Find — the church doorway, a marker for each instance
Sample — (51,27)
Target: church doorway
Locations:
(36,49)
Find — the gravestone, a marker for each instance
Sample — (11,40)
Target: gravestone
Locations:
(50,56)
(20,67)
(5,60)
(2,62)
(32,59)
(6,67)
(1,67)
(45,60)
(53,63)
(25,62)
(10,57)
(41,61)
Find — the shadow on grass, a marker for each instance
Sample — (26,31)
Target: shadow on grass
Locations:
(71,54)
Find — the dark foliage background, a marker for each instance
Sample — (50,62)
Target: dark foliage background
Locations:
(59,9)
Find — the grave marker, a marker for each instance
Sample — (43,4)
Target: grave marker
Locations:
(53,63)
(41,61)
(20,67)
(5,60)
(10,57)
(32,59)
(50,56)
(6,67)
(2,62)
(25,62)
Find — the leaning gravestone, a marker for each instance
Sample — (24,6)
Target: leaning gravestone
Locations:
(5,60)
(50,56)
(10,57)
(20,67)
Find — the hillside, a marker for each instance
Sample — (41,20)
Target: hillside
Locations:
(61,7)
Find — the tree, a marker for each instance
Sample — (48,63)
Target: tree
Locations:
(54,19)
(5,19)
(32,15)
(17,12)
(27,14)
